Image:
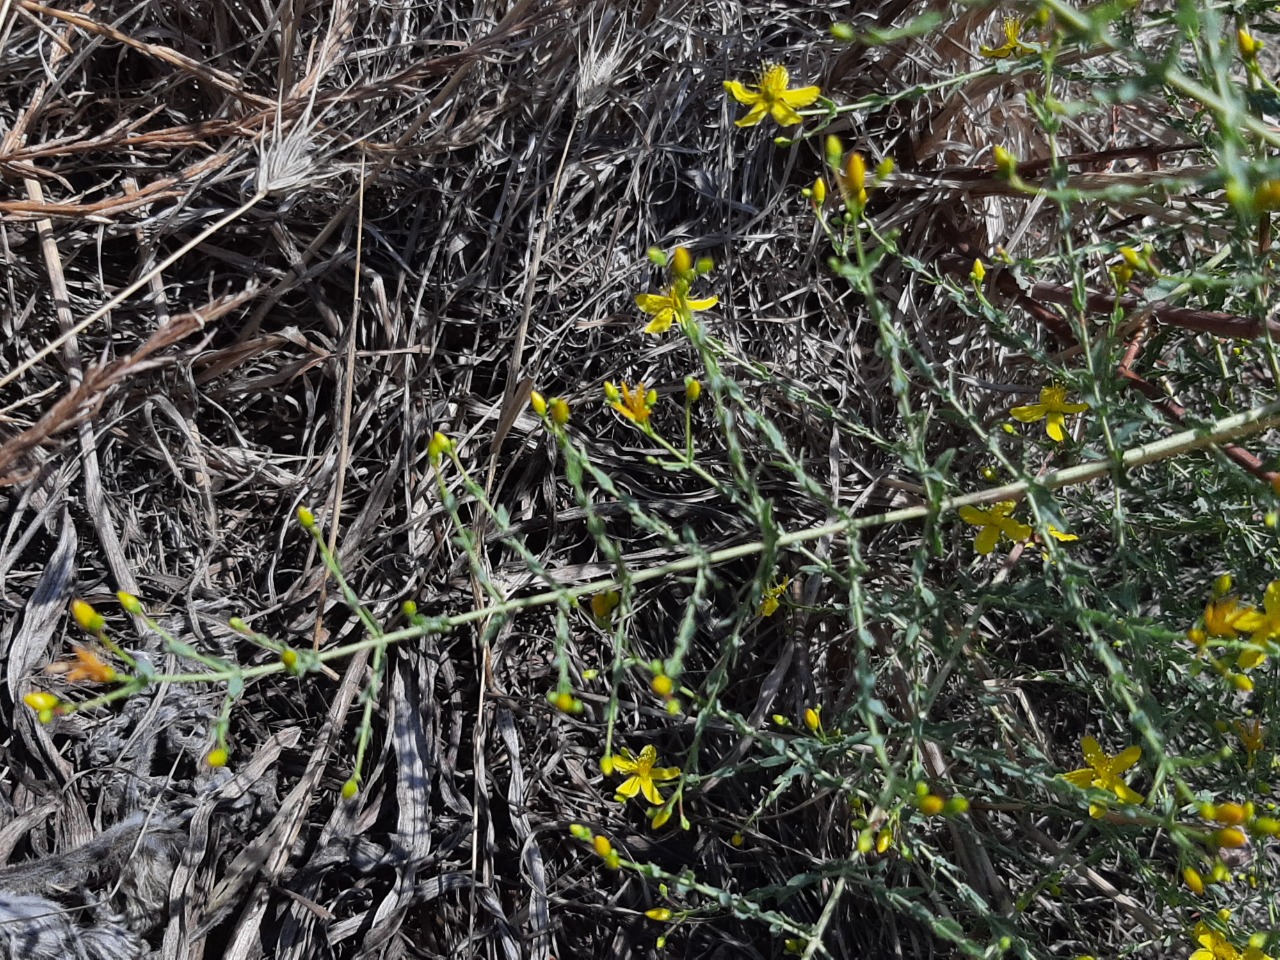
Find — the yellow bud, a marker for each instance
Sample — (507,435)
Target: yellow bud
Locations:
(931,804)
(855,171)
(662,685)
(217,757)
(957,806)
(438,447)
(866,842)
(681,262)
(1197,636)
(1241,682)
(692,389)
(539,403)
(289,657)
(884,169)
(979,271)
(1232,814)
(559,411)
(1006,163)
(1222,585)
(1195,883)
(661,914)
(1267,826)
(811,719)
(819,191)
(1219,873)
(1248,45)
(566,702)
(580,832)
(613,861)
(89,619)
(1229,837)
(883,840)
(40,701)
(130,603)
(1267,195)
(606,765)
(601,845)
(835,152)
(409,608)
(611,392)
(306,519)
(737,839)
(350,788)
(651,398)
(660,818)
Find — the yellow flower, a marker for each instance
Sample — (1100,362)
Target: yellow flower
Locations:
(643,773)
(772,97)
(603,605)
(1222,617)
(1252,737)
(1104,771)
(994,523)
(667,308)
(1213,945)
(633,403)
(1012,46)
(1051,408)
(1264,626)
(769,603)
(86,666)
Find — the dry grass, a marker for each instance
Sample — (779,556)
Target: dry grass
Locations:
(254,256)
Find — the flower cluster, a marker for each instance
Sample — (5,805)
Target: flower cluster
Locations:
(1227,618)
(674,304)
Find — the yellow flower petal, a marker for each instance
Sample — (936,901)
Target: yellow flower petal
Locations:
(754,116)
(1028,414)
(630,787)
(986,540)
(653,302)
(661,323)
(740,93)
(1125,759)
(801,96)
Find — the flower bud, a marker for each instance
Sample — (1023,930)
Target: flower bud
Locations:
(350,788)
(611,392)
(1195,883)
(979,271)
(1006,162)
(819,191)
(559,411)
(539,403)
(217,757)
(692,389)
(681,262)
(1248,45)
(89,619)
(40,701)
(130,603)
(306,519)
(661,914)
